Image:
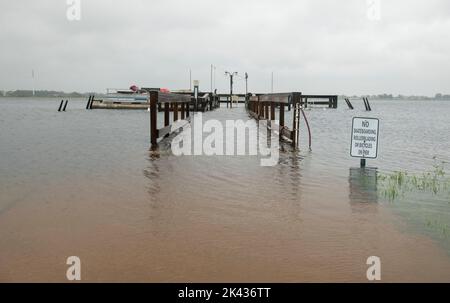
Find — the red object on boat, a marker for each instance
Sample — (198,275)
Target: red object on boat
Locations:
(134,88)
(164,90)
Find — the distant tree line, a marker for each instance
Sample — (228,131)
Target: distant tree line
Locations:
(51,93)
(400,97)
(41,93)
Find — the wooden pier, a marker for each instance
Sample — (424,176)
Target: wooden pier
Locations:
(177,103)
(329,100)
(262,107)
(203,102)
(259,106)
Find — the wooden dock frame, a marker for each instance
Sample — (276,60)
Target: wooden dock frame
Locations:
(330,100)
(172,102)
(262,107)
(204,102)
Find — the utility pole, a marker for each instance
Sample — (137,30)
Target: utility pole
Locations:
(214,78)
(246,83)
(231,86)
(32,78)
(246,89)
(211,78)
(190,80)
(271,87)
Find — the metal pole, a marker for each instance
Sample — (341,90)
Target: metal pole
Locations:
(246,90)
(231,86)
(246,83)
(271,90)
(214,78)
(32,76)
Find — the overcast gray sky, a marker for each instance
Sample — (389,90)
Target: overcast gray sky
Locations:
(313,46)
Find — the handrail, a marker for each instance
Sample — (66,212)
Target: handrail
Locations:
(171,102)
(170,97)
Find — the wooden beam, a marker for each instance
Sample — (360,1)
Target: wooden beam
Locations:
(153,118)
(182,111)
(272,111)
(175,111)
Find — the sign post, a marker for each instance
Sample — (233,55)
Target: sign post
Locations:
(364,139)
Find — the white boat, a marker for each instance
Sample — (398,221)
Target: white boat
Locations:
(125,95)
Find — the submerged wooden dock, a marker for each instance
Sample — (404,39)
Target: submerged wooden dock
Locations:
(204,101)
(198,102)
(259,106)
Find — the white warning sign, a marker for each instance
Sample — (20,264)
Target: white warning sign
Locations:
(365,138)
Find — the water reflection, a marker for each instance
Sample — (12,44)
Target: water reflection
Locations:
(362,187)
(153,174)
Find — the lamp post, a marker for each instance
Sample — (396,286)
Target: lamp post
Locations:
(231,86)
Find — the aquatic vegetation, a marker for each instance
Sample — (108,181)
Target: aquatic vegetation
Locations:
(438,225)
(417,191)
(398,183)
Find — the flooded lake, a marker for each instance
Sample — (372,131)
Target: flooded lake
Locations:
(83,183)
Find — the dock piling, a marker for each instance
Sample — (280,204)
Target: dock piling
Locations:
(153,119)
(89,102)
(65,105)
(367,104)
(60,105)
(349,104)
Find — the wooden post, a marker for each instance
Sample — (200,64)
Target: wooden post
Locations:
(281,120)
(294,125)
(166,114)
(266,114)
(272,111)
(187,105)
(153,117)
(60,105)
(89,102)
(296,98)
(175,111)
(182,111)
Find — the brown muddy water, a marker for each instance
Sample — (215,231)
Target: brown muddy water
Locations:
(83,183)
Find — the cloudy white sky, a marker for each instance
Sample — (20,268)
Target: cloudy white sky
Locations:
(313,46)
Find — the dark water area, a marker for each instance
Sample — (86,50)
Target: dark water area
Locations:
(84,183)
